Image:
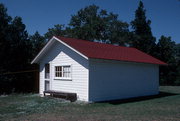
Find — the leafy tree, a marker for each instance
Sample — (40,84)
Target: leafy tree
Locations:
(143,39)
(4,26)
(177,82)
(19,42)
(178,52)
(93,24)
(38,42)
(19,55)
(87,25)
(5,19)
(58,30)
(166,51)
(15,54)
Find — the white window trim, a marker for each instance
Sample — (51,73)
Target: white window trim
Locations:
(63,78)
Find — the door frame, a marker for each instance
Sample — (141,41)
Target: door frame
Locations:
(47,79)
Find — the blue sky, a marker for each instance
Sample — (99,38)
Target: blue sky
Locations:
(39,15)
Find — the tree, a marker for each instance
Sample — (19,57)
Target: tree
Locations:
(38,43)
(58,30)
(18,56)
(143,39)
(4,26)
(15,53)
(5,19)
(87,25)
(93,24)
(177,81)
(166,51)
(178,52)
(19,45)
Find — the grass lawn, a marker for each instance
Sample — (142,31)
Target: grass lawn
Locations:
(27,107)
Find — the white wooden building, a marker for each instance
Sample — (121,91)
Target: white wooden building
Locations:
(96,71)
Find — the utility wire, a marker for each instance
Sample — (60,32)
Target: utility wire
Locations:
(17,72)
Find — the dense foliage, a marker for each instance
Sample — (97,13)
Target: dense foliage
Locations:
(143,38)
(165,49)
(15,53)
(93,24)
(17,48)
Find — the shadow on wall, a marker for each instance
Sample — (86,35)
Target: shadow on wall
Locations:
(137,99)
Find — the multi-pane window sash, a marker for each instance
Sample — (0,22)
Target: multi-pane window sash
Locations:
(63,71)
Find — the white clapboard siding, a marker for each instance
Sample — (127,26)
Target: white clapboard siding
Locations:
(117,80)
(59,54)
(97,79)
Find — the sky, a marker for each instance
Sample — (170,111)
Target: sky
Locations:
(39,15)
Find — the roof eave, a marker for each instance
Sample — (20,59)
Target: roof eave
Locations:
(161,63)
(37,58)
(71,48)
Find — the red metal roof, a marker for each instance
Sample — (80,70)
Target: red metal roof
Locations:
(110,52)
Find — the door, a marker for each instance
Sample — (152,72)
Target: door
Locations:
(47,86)
(47,77)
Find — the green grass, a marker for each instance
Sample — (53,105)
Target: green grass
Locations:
(29,107)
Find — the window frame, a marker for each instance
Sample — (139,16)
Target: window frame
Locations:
(63,78)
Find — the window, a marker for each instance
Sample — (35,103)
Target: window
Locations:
(58,71)
(63,72)
(66,71)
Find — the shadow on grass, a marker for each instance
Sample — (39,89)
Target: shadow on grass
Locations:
(136,99)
